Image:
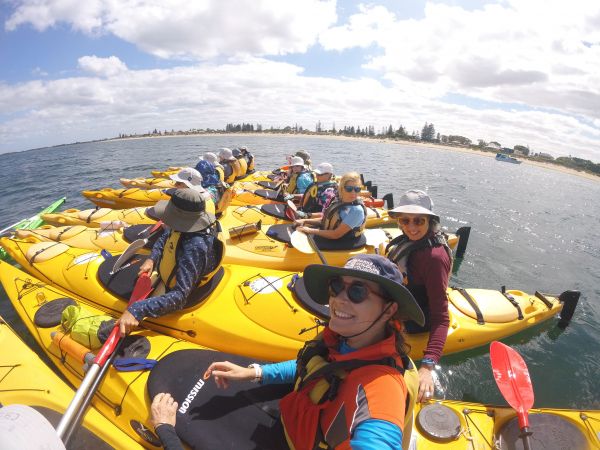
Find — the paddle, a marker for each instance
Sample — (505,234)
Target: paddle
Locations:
(133,248)
(375,237)
(290,211)
(512,378)
(141,290)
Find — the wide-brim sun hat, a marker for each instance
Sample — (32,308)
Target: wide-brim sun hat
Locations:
(414,201)
(368,267)
(184,212)
(226,154)
(297,161)
(190,177)
(210,157)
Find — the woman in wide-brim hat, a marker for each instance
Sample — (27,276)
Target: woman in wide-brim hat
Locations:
(353,382)
(423,255)
(185,253)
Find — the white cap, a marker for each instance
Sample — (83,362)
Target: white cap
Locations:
(190,177)
(296,161)
(324,168)
(226,154)
(210,157)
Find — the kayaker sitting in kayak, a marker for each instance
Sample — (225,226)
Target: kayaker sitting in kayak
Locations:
(422,253)
(231,165)
(343,218)
(320,193)
(213,184)
(299,177)
(183,255)
(358,363)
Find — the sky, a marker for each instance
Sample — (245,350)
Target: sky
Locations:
(519,72)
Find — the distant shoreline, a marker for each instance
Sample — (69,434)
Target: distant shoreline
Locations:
(544,165)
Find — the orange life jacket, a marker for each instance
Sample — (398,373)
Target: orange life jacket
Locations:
(334,393)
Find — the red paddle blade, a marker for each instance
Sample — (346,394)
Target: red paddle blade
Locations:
(512,377)
(142,288)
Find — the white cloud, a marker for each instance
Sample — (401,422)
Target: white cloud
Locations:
(257,91)
(189,29)
(104,67)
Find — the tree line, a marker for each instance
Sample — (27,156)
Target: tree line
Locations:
(427,134)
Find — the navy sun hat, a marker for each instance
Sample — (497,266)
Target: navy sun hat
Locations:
(369,267)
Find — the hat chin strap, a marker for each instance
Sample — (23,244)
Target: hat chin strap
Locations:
(370,326)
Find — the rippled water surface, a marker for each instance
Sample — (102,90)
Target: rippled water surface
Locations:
(532,229)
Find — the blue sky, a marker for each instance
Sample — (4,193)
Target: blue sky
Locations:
(508,71)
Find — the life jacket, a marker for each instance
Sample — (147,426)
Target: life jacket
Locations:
(243,166)
(400,248)
(230,170)
(167,266)
(225,193)
(332,392)
(292,188)
(209,203)
(331,218)
(221,172)
(312,200)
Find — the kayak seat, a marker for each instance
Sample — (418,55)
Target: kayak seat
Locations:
(269,194)
(122,282)
(141,231)
(45,251)
(494,307)
(276,210)
(89,215)
(549,431)
(199,294)
(283,233)
(301,295)
(268,184)
(245,416)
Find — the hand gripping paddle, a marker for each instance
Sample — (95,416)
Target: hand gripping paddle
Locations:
(133,248)
(91,381)
(512,378)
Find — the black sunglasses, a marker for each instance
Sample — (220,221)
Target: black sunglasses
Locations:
(356,189)
(356,291)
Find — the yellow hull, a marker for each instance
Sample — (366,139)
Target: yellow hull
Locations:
(254,313)
(148,183)
(26,380)
(95,217)
(125,198)
(481,426)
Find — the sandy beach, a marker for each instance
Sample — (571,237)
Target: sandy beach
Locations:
(544,165)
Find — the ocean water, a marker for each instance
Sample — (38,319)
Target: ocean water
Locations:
(532,229)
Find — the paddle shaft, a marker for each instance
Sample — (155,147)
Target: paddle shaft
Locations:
(313,244)
(94,372)
(85,403)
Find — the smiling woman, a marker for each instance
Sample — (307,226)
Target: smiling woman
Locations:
(423,255)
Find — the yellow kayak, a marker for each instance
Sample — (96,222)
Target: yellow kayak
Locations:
(449,425)
(125,198)
(26,380)
(148,183)
(262,313)
(96,216)
(274,214)
(165,173)
(123,401)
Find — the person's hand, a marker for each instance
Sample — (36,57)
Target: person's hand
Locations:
(426,386)
(164,410)
(224,371)
(146,267)
(299,222)
(308,230)
(126,323)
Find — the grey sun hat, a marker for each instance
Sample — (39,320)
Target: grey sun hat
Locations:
(210,157)
(414,202)
(324,168)
(184,212)
(297,161)
(225,154)
(369,267)
(190,177)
